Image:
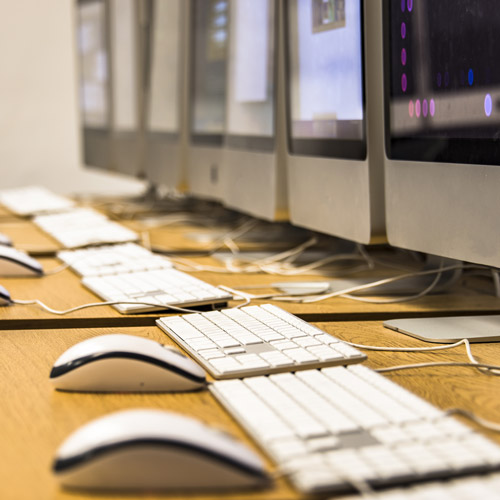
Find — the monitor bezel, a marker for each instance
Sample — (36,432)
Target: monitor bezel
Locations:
(256,143)
(198,138)
(171,136)
(346,149)
(436,150)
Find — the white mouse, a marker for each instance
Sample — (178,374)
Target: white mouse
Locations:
(5,240)
(5,298)
(155,450)
(17,263)
(125,363)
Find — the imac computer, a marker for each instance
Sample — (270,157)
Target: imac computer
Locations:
(108,38)
(95,81)
(209,35)
(255,141)
(166,93)
(334,82)
(442,87)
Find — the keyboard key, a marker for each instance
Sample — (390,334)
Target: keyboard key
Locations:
(327,429)
(259,348)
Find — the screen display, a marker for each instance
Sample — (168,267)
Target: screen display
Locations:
(326,69)
(442,80)
(164,78)
(92,47)
(211,21)
(250,105)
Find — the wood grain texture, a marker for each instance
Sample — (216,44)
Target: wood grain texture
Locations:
(35,419)
(64,290)
(60,291)
(26,236)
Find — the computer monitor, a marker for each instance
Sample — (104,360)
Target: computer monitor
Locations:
(209,35)
(166,93)
(126,86)
(108,37)
(254,151)
(442,128)
(335,117)
(95,81)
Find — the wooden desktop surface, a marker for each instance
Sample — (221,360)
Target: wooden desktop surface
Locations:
(36,419)
(26,236)
(64,290)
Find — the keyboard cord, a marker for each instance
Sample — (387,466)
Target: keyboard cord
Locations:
(112,303)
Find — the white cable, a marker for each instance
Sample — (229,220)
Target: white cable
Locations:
(56,270)
(246,301)
(487,424)
(287,270)
(345,293)
(270,265)
(408,349)
(472,360)
(99,304)
(488,367)
(247,266)
(399,300)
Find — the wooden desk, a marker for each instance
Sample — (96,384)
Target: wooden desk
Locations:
(26,236)
(64,290)
(35,419)
(460,301)
(60,291)
(177,234)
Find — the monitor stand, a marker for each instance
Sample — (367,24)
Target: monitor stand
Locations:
(449,330)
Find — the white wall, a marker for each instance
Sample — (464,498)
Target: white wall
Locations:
(39,125)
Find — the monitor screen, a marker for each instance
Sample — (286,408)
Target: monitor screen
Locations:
(443,81)
(209,54)
(251,74)
(163,106)
(94,64)
(325,78)
(124,64)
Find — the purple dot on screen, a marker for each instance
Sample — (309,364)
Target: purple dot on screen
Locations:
(471,77)
(403,5)
(403,57)
(432,107)
(411,109)
(403,30)
(425,107)
(417,108)
(410,5)
(488,105)
(404,82)
(439,79)
(446,79)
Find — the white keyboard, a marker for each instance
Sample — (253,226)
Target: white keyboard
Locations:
(83,227)
(113,259)
(256,340)
(337,426)
(483,487)
(33,200)
(163,287)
